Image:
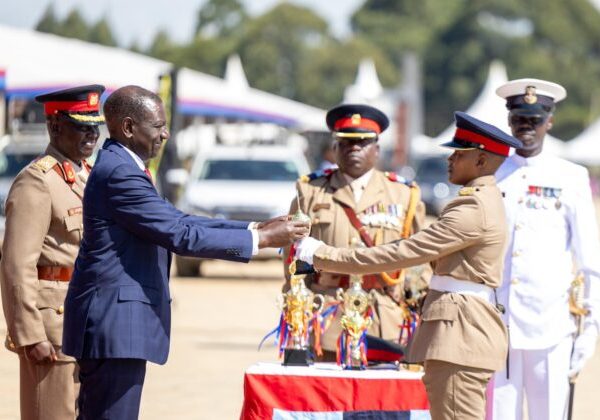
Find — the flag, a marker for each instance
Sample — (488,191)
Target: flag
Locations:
(272,391)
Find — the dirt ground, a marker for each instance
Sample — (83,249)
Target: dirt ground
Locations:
(218,321)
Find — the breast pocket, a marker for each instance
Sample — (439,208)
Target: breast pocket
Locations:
(74,227)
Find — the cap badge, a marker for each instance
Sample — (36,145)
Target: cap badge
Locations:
(530,96)
(356,118)
(93,99)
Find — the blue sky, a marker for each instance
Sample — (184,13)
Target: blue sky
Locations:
(139,20)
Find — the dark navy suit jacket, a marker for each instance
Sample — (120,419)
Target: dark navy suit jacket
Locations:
(118,303)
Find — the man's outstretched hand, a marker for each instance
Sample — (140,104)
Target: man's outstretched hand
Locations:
(260,225)
(279,232)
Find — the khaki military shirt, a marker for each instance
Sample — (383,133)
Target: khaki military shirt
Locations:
(44,224)
(382,209)
(467,242)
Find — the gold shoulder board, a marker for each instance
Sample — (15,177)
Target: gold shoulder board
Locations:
(45,163)
(466,191)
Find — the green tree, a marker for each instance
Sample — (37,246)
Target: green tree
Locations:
(74,26)
(333,66)
(220,18)
(275,44)
(101,33)
(457,40)
(162,47)
(48,22)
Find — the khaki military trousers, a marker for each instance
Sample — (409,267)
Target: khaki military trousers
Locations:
(48,391)
(455,392)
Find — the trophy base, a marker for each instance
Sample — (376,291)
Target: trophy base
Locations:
(296,357)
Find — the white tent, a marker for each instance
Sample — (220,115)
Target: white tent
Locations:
(584,148)
(36,62)
(206,95)
(490,108)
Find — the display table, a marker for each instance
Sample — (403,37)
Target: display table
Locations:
(325,391)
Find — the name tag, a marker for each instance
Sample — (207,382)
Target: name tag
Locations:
(75,210)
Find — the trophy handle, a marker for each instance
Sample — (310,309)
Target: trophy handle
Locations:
(280,301)
(318,307)
(339,294)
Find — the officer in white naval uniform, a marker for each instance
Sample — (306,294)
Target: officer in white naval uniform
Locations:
(552,225)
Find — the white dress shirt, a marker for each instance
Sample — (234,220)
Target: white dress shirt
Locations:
(359,184)
(552,231)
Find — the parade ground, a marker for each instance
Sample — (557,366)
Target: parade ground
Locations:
(218,321)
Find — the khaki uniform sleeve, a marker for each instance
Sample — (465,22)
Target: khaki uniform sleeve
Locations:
(460,226)
(28,215)
(422,281)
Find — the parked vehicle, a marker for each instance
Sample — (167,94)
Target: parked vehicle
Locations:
(253,183)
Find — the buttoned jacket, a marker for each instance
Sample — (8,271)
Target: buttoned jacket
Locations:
(467,242)
(552,232)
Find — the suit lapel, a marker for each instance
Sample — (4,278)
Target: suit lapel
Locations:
(343,192)
(372,193)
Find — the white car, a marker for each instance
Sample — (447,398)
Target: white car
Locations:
(252,183)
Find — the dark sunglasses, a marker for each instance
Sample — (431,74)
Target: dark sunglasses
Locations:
(533,120)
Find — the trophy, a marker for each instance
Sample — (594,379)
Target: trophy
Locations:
(356,320)
(300,306)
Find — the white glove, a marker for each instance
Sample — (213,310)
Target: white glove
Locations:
(583,349)
(306,248)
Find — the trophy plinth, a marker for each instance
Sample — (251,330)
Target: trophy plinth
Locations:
(297,357)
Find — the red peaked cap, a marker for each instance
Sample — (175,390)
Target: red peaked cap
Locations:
(81,104)
(356,121)
(472,133)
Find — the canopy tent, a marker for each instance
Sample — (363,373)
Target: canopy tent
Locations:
(584,148)
(37,62)
(205,95)
(490,108)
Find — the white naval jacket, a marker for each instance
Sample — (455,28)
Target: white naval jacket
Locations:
(552,231)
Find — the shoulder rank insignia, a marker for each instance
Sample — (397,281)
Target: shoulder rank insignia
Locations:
(44,163)
(466,191)
(394,177)
(316,174)
(68,172)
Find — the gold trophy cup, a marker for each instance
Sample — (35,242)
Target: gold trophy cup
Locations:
(299,306)
(356,320)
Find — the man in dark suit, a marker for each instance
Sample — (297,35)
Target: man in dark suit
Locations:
(117,309)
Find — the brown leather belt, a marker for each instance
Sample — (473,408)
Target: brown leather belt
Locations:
(56,273)
(370,281)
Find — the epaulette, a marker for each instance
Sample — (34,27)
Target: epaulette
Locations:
(317,174)
(44,163)
(64,170)
(466,191)
(394,177)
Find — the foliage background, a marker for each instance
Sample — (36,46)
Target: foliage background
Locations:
(290,51)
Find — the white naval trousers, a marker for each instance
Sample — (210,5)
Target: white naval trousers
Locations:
(539,375)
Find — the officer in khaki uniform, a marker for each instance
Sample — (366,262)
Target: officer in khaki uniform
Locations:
(43,232)
(355,200)
(461,339)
